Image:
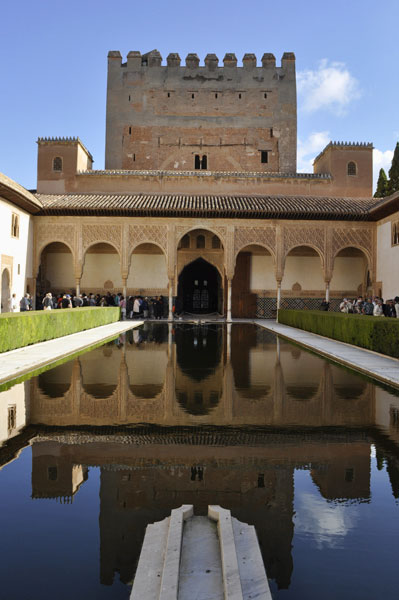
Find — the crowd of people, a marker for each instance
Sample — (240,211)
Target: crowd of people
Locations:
(132,307)
(375,306)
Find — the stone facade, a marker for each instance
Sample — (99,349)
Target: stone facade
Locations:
(226,118)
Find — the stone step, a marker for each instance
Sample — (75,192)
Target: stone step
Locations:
(210,558)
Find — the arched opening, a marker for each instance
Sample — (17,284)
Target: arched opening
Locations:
(200,288)
(254,283)
(101,270)
(100,370)
(350,274)
(148,271)
(5,290)
(55,382)
(303,283)
(56,272)
(199,373)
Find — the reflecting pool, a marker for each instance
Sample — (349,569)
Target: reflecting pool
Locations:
(94,449)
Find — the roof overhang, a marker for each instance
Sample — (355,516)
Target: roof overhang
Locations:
(16,194)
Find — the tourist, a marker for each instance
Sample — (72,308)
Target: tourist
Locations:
(24,303)
(66,301)
(378,310)
(389,309)
(358,305)
(14,303)
(122,304)
(47,301)
(129,307)
(136,307)
(396,303)
(368,307)
(92,300)
(323,306)
(78,301)
(145,307)
(103,301)
(345,306)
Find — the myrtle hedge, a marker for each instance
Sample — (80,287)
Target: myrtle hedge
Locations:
(380,334)
(25,328)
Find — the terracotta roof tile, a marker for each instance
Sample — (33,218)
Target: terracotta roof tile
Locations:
(244,207)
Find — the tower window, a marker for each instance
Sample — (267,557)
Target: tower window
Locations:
(239,95)
(352,168)
(204,162)
(14,225)
(130,131)
(168,94)
(216,95)
(265,95)
(57,164)
(264,156)
(197,162)
(129,98)
(192,95)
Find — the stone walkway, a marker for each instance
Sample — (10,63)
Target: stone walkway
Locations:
(17,362)
(370,363)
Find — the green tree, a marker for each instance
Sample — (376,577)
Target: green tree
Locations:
(393,183)
(382,185)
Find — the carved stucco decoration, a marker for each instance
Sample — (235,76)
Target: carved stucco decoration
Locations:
(93,234)
(217,260)
(244,236)
(353,237)
(141,234)
(46,233)
(304,236)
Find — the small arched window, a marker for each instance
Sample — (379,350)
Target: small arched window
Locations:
(14,225)
(185,242)
(215,242)
(200,241)
(197,161)
(204,162)
(352,168)
(57,163)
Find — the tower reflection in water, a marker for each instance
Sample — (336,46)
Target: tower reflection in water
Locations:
(205,415)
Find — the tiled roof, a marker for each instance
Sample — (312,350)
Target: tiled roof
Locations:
(244,207)
(18,195)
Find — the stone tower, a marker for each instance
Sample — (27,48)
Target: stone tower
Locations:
(193,117)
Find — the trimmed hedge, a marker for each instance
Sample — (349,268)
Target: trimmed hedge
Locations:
(25,328)
(380,334)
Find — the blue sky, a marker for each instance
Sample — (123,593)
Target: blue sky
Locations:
(54,58)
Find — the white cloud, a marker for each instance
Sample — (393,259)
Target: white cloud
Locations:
(382,159)
(327,523)
(309,148)
(330,87)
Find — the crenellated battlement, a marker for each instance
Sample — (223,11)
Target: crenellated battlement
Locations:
(136,60)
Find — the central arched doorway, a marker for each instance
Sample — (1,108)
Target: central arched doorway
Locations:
(200,288)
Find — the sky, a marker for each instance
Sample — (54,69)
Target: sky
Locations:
(53,66)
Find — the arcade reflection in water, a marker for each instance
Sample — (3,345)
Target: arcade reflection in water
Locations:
(230,413)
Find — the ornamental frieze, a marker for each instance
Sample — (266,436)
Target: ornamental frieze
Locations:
(304,236)
(140,234)
(93,234)
(361,238)
(55,232)
(244,236)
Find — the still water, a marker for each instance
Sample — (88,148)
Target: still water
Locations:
(96,448)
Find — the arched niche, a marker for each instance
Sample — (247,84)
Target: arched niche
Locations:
(350,270)
(100,371)
(148,270)
(302,372)
(200,288)
(303,271)
(101,269)
(146,365)
(5,290)
(55,382)
(56,272)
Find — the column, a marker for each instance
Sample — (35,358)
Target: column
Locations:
(77,285)
(228,343)
(278,293)
(327,291)
(124,287)
(229,300)
(170,315)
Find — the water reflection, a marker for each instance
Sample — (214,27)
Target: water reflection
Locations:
(231,415)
